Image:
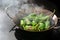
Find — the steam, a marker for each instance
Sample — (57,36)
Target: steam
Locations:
(14,6)
(11,6)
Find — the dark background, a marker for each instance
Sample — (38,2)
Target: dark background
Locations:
(50,4)
(57,3)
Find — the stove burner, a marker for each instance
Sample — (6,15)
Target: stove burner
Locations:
(20,36)
(55,34)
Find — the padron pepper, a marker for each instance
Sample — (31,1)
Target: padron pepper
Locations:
(41,26)
(47,24)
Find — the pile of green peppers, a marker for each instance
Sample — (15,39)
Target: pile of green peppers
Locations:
(35,22)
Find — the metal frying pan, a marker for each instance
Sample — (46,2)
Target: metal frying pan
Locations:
(25,9)
(30,6)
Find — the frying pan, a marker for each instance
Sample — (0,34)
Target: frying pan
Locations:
(42,7)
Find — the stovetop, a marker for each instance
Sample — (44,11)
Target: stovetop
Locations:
(55,34)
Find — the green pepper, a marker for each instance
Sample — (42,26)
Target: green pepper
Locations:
(30,28)
(44,18)
(47,24)
(33,23)
(26,27)
(27,21)
(37,19)
(32,16)
(41,15)
(22,22)
(41,26)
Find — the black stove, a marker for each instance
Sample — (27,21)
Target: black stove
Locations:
(52,34)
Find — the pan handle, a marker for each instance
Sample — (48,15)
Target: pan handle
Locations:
(6,11)
(56,29)
(58,24)
(58,19)
(14,28)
